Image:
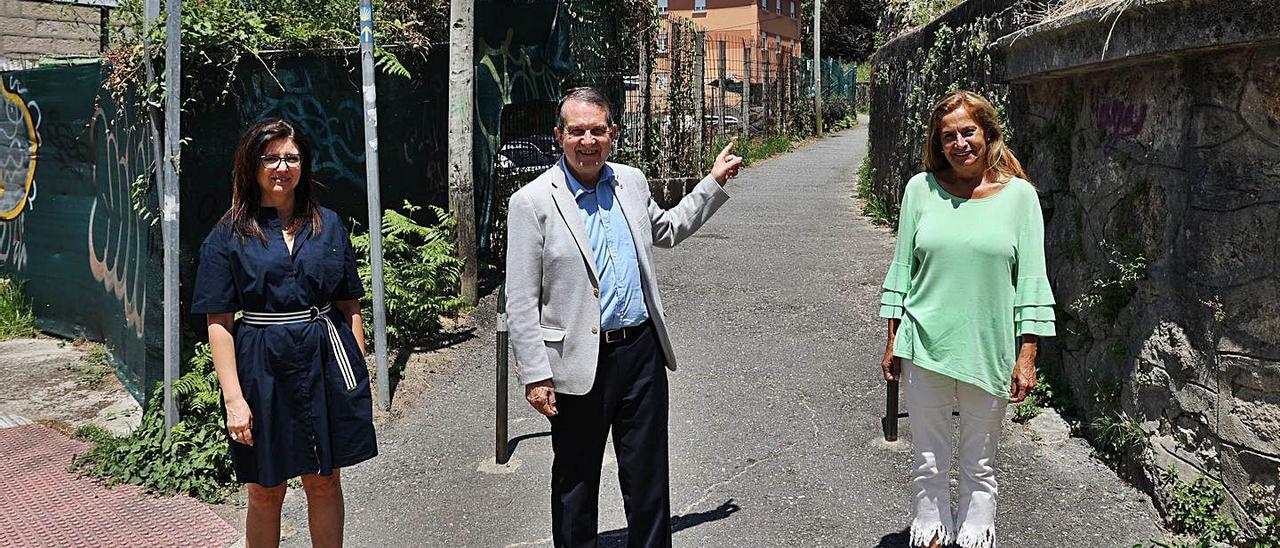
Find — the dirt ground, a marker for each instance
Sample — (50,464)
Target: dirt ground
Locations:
(64,385)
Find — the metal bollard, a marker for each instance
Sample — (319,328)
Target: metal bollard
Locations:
(500,452)
(889,423)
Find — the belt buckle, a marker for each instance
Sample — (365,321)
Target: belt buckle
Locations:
(315,313)
(620,332)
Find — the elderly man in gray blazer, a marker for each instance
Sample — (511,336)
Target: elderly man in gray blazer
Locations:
(587,323)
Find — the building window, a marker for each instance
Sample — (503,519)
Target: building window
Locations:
(778,5)
(764,40)
(662,7)
(664,81)
(764,5)
(699,6)
(662,42)
(793,9)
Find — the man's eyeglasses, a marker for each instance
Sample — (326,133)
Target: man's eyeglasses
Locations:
(273,162)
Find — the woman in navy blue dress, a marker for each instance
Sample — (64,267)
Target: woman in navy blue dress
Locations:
(292,369)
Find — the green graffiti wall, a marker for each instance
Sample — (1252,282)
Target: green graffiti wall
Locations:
(68,229)
(70,161)
(522,57)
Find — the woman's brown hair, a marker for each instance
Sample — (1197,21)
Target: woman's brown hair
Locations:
(246,196)
(998,157)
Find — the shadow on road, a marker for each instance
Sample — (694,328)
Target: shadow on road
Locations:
(901,539)
(511,445)
(617,538)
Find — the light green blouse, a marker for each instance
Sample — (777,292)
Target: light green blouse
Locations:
(968,280)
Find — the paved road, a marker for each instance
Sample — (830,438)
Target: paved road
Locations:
(774,413)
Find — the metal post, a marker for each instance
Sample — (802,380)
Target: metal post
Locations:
(646,104)
(724,79)
(169,209)
(766,99)
(746,90)
(889,423)
(500,451)
(374,201)
(461,116)
(817,64)
(699,90)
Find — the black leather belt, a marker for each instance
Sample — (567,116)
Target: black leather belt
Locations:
(614,336)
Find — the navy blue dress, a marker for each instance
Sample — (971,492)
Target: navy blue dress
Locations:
(308,417)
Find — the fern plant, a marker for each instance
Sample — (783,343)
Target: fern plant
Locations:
(421,275)
(193,459)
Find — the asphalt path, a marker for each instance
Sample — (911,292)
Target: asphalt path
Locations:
(774,427)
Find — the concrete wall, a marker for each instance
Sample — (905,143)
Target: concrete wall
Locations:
(1157,157)
(31,30)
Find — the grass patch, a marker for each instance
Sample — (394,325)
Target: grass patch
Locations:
(1117,435)
(16,318)
(751,149)
(91,369)
(873,207)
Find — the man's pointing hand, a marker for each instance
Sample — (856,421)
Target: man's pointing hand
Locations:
(542,396)
(726,165)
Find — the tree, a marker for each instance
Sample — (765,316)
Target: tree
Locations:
(848,28)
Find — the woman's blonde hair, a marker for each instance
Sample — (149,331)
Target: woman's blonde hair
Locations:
(998,157)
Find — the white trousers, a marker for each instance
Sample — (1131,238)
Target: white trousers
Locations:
(930,400)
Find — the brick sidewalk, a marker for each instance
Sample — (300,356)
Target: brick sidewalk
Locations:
(42,504)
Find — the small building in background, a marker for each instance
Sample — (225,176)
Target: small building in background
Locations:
(31,30)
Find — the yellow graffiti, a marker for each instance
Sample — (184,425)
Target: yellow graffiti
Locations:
(17,182)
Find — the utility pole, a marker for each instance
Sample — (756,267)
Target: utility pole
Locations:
(817,64)
(373,199)
(170,165)
(461,113)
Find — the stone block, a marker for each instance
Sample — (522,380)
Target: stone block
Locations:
(17,27)
(1253,421)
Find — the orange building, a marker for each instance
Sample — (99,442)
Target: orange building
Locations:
(765,25)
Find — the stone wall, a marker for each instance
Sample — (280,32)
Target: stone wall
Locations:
(32,30)
(1157,156)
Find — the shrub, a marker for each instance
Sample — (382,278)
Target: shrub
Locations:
(1194,508)
(193,459)
(874,208)
(16,319)
(421,276)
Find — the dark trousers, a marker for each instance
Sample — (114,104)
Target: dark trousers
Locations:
(629,396)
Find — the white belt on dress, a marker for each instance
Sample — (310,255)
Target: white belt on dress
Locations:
(310,315)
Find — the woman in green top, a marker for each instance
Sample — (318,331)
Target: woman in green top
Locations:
(966,298)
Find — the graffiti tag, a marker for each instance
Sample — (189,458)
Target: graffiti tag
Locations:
(121,264)
(19,143)
(1120,119)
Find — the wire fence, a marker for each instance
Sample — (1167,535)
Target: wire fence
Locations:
(679,93)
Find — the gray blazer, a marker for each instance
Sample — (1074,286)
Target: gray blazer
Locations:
(553,289)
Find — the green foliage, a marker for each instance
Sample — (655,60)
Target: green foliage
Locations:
(1110,293)
(1195,508)
(92,368)
(16,318)
(924,11)
(421,277)
(1269,537)
(1116,435)
(752,149)
(193,459)
(1026,410)
(873,207)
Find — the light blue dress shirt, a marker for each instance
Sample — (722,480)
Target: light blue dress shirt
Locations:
(621,296)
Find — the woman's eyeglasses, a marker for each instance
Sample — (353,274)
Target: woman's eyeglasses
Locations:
(273,162)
